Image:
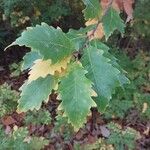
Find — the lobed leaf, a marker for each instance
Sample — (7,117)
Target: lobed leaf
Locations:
(49,42)
(112,21)
(75,90)
(34,93)
(42,68)
(92,10)
(102,73)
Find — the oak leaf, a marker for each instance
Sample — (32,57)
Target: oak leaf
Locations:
(120,5)
(42,68)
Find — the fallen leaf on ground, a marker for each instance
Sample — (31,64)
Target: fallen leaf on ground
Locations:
(8,120)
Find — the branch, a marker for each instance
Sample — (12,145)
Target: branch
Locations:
(79,53)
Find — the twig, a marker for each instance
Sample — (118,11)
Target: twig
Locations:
(79,53)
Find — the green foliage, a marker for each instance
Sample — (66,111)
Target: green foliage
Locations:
(78,36)
(49,42)
(62,127)
(92,10)
(20,140)
(35,92)
(142,18)
(133,95)
(139,75)
(39,117)
(118,107)
(98,61)
(93,146)
(8,99)
(112,21)
(25,12)
(72,87)
(15,69)
(87,79)
(121,139)
(74,75)
(97,65)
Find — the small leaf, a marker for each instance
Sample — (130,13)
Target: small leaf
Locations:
(92,10)
(20,140)
(120,138)
(37,143)
(75,90)
(40,117)
(112,21)
(34,93)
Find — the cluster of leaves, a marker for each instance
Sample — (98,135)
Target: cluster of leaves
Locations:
(62,127)
(85,74)
(141,22)
(19,139)
(15,69)
(40,117)
(136,94)
(54,60)
(122,139)
(8,99)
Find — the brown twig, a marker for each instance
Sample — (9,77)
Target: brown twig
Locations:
(79,53)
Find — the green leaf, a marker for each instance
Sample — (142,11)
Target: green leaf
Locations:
(75,90)
(49,42)
(34,93)
(62,126)
(100,72)
(37,143)
(112,21)
(113,60)
(40,117)
(78,37)
(8,99)
(29,59)
(92,10)
(122,139)
(102,103)
(20,140)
